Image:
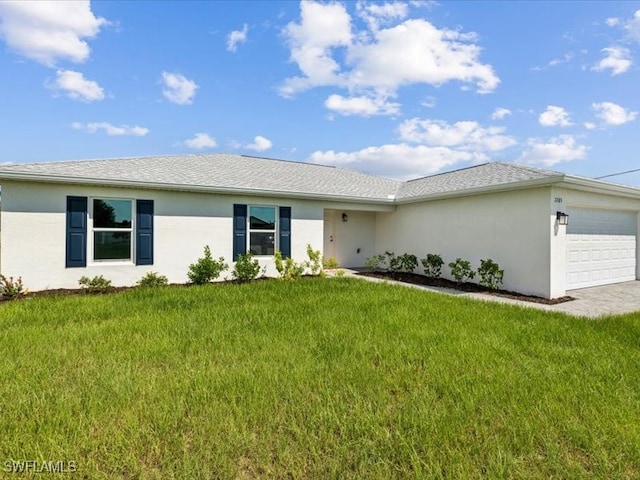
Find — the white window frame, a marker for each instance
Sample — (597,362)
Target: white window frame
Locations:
(93,230)
(274,231)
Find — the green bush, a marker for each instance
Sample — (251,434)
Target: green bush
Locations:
(490,274)
(153,279)
(10,288)
(461,270)
(394,263)
(408,262)
(287,268)
(206,269)
(376,263)
(330,263)
(432,265)
(246,268)
(314,264)
(97,284)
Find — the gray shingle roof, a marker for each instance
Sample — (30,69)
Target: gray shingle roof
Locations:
(221,172)
(472,178)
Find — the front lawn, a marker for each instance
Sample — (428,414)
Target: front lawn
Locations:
(316,378)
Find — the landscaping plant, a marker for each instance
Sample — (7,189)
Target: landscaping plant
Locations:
(490,274)
(10,288)
(246,268)
(330,263)
(152,279)
(461,270)
(314,264)
(287,268)
(432,265)
(206,269)
(97,284)
(408,262)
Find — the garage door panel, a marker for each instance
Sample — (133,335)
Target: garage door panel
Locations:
(601,247)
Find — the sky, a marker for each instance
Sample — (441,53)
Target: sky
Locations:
(396,89)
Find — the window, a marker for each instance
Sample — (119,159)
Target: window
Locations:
(112,229)
(113,235)
(262,230)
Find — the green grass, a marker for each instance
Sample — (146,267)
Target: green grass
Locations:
(318,378)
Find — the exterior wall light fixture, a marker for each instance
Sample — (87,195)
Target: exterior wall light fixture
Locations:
(562,218)
(345,217)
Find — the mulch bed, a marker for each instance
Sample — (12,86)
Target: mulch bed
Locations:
(417,279)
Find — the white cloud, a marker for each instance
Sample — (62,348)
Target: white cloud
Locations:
(363,106)
(467,136)
(554,116)
(77,87)
(400,161)
(200,140)
(613,114)
(500,113)
(617,59)
(260,144)
(376,62)
(236,37)
(376,14)
(612,21)
(633,26)
(48,31)
(563,148)
(589,125)
(178,88)
(110,129)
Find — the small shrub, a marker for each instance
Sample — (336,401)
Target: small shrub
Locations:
(461,270)
(340,272)
(97,284)
(152,280)
(432,265)
(490,274)
(206,269)
(394,263)
(408,262)
(10,288)
(376,263)
(315,261)
(246,268)
(287,268)
(330,263)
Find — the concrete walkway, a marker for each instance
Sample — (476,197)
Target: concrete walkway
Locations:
(590,302)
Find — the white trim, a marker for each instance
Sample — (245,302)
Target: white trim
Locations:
(91,230)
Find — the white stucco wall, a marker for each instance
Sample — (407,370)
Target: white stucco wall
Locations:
(352,241)
(512,228)
(33,232)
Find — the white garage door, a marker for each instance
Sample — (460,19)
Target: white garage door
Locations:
(601,247)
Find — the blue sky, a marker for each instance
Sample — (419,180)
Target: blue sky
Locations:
(398,89)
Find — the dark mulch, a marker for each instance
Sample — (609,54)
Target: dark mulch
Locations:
(417,279)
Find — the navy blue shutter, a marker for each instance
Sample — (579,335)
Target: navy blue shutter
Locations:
(239,230)
(285,231)
(144,232)
(76,251)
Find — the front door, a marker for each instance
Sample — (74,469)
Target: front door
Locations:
(329,234)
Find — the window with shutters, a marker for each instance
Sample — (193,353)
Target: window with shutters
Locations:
(261,230)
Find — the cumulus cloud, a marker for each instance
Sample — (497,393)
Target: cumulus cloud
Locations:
(467,135)
(49,31)
(554,116)
(500,113)
(109,129)
(178,88)
(400,161)
(616,59)
(612,21)
(374,63)
(260,144)
(613,114)
(200,141)
(237,37)
(363,106)
(633,26)
(75,86)
(563,148)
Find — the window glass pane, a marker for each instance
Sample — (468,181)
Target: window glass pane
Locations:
(111,213)
(262,218)
(111,245)
(261,243)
